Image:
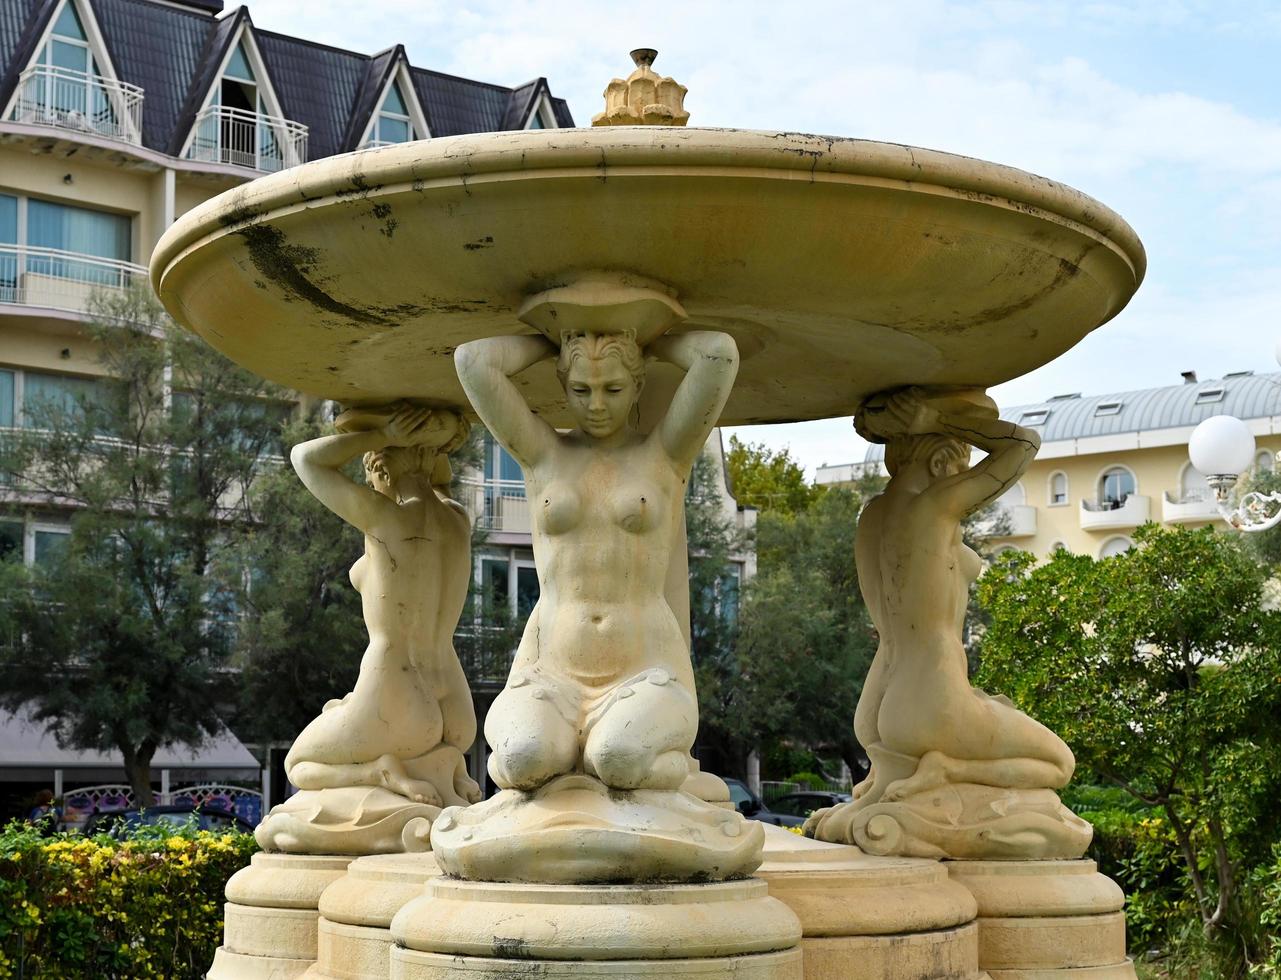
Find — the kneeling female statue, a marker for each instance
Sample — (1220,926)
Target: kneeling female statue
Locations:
(376,767)
(955,772)
(590,739)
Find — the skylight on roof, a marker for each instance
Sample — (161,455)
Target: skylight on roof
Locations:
(1035,417)
(1107,408)
(1208,396)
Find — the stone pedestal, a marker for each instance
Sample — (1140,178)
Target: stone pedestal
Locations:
(482,930)
(354,932)
(872,918)
(1047,920)
(271,916)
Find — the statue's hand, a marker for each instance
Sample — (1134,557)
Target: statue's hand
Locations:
(909,413)
(401,429)
(440,426)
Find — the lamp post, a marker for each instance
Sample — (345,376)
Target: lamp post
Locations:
(1221,449)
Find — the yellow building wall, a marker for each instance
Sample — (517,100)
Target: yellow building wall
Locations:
(1156,471)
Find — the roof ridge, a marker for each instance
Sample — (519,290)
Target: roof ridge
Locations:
(461,78)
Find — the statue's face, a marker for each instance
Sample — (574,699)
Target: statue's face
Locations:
(601,394)
(386,466)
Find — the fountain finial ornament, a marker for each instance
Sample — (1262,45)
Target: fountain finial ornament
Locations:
(644,99)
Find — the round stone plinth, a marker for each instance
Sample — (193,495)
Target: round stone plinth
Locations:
(1047,920)
(354,932)
(868,918)
(722,929)
(270,927)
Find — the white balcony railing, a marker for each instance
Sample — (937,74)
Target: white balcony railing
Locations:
(1009,521)
(78,101)
(58,280)
(1199,505)
(497,505)
(224,134)
(1105,515)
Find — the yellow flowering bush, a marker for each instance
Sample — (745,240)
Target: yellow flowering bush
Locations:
(149,905)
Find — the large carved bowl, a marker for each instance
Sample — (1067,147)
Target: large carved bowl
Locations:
(841,266)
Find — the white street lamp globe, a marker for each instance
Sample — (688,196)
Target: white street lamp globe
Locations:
(1222,445)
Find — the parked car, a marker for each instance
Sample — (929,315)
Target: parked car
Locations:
(804,803)
(750,805)
(118,822)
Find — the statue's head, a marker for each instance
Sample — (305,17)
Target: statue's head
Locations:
(427,458)
(941,456)
(602,374)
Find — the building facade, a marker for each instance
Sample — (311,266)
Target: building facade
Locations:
(1110,463)
(117,117)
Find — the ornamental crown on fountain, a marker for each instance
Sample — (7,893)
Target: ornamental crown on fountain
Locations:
(644,99)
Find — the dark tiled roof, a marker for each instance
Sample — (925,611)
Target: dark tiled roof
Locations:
(173,51)
(160,49)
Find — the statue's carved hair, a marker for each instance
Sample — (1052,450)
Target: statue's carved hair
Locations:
(595,346)
(903,450)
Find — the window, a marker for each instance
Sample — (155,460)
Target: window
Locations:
(11,533)
(65,242)
(1208,396)
(53,400)
(1034,417)
(8,254)
(240,420)
(8,399)
(1193,486)
(392,125)
(32,542)
(1115,486)
(68,91)
(1107,408)
(509,583)
(1058,489)
(1115,546)
(1057,547)
(1264,462)
(49,544)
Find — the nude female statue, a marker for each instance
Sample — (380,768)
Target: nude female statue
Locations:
(404,727)
(923,726)
(602,682)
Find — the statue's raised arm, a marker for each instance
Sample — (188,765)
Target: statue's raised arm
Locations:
(710,362)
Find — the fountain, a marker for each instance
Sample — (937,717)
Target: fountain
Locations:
(600,298)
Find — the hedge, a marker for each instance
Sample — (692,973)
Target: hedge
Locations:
(146,906)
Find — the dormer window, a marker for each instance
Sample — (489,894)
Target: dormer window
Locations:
(65,86)
(393,124)
(1107,408)
(1035,417)
(1208,396)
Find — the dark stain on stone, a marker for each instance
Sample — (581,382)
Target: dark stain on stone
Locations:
(511,948)
(382,211)
(289,266)
(479,243)
(359,187)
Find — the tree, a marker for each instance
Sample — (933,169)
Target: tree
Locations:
(122,641)
(806,640)
(1160,668)
(768,480)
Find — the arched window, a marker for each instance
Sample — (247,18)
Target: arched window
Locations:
(1013,496)
(1058,489)
(1115,546)
(1265,461)
(1057,547)
(1115,485)
(1193,485)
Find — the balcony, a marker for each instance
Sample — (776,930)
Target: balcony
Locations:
(497,505)
(59,280)
(80,102)
(1106,515)
(241,138)
(1195,507)
(1009,521)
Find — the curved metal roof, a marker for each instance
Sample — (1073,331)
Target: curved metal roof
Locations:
(1245,395)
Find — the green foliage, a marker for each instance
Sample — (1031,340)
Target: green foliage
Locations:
(808,780)
(806,640)
(148,906)
(767,480)
(1161,668)
(157,487)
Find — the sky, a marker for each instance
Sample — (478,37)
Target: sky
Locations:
(1168,112)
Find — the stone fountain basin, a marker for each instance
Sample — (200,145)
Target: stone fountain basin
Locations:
(841,266)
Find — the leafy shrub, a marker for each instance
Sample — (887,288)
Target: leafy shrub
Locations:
(146,906)
(809,780)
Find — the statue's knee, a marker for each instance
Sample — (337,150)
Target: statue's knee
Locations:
(521,762)
(619,764)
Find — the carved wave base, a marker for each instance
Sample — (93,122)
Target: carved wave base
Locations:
(354,932)
(576,830)
(964,821)
(872,918)
(1047,920)
(355,820)
(271,914)
(472,930)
